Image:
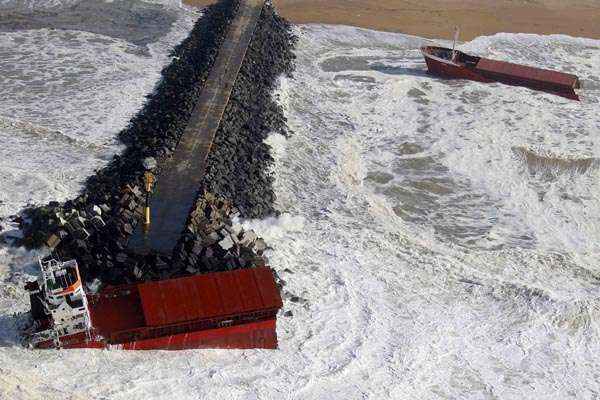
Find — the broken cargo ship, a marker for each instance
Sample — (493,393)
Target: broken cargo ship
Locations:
(451,63)
(232,309)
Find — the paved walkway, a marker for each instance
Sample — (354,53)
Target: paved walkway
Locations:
(180,180)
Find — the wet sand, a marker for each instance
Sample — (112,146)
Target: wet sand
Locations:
(437,18)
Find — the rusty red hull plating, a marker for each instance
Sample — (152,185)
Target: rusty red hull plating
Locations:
(451,71)
(485,70)
(255,335)
(229,310)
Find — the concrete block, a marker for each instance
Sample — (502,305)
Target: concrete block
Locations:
(248,238)
(53,241)
(227,243)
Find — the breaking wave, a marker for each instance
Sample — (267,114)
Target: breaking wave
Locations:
(434,263)
(551,164)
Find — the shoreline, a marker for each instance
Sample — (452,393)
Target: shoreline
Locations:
(436,19)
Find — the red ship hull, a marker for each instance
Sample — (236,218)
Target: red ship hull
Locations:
(441,61)
(452,71)
(228,310)
(255,335)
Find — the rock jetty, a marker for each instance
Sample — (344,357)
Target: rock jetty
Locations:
(94,228)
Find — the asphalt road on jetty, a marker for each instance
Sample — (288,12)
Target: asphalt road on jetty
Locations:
(178,184)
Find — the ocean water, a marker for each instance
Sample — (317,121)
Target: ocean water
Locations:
(441,232)
(71,76)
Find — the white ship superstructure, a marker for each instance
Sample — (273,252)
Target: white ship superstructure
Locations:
(59,294)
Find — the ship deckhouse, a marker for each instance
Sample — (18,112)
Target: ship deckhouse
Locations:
(59,304)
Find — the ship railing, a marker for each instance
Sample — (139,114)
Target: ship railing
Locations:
(210,323)
(31,339)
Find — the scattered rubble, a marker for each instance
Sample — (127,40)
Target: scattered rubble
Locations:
(294,298)
(212,242)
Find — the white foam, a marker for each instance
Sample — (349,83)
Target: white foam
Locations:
(65,95)
(403,303)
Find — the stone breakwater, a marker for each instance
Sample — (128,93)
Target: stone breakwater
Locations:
(239,164)
(94,228)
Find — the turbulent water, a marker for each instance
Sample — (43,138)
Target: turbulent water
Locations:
(70,79)
(443,250)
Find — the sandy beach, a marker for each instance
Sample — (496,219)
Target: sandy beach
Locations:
(437,18)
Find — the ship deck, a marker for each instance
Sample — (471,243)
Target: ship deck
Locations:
(526,73)
(151,309)
(116,309)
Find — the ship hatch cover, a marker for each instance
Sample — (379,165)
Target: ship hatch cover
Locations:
(208,296)
(526,72)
